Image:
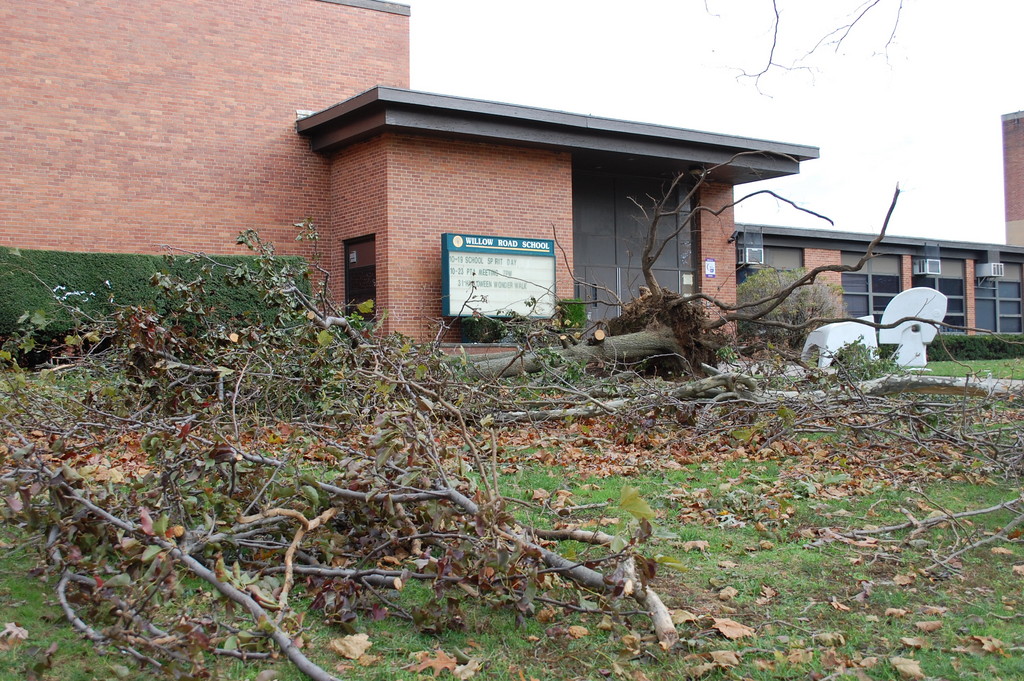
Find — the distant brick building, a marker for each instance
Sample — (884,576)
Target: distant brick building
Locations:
(1013,176)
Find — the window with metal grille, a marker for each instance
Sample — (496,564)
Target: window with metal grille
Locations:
(870,289)
(997,302)
(951,283)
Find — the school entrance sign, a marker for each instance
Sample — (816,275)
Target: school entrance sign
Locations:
(496,276)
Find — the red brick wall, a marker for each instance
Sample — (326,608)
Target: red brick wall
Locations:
(712,236)
(906,271)
(437,186)
(1013,176)
(358,207)
(816,257)
(971,316)
(127,125)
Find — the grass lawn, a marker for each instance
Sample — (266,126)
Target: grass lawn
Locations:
(751,557)
(750,537)
(982,368)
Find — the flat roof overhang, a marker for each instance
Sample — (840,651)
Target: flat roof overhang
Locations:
(603,144)
(807,237)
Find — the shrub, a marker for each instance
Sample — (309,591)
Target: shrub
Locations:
(818,300)
(46,285)
(483,329)
(571,313)
(947,347)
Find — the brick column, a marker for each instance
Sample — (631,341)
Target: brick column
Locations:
(712,236)
(970,317)
(1013,176)
(906,272)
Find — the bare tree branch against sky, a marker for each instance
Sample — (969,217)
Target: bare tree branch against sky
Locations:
(892,91)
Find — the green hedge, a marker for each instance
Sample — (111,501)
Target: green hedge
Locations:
(30,280)
(947,347)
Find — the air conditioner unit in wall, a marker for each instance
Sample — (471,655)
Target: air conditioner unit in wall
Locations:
(988,270)
(931,267)
(752,256)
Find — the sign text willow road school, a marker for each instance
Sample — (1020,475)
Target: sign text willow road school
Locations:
(496,276)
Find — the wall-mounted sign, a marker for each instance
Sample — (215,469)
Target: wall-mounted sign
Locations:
(709,268)
(497,275)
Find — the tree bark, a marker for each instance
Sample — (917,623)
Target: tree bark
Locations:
(630,347)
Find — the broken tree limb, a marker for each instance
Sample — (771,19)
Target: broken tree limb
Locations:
(713,387)
(913,383)
(283,641)
(938,385)
(592,579)
(627,348)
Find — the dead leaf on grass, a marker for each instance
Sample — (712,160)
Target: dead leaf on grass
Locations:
(978,645)
(465,671)
(800,656)
(731,629)
(682,616)
(12,635)
(830,638)
(914,642)
(931,625)
(725,658)
(727,594)
(541,495)
(1002,551)
(699,670)
(767,594)
(351,647)
(907,667)
(437,663)
(546,614)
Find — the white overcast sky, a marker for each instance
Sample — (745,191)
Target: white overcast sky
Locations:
(922,110)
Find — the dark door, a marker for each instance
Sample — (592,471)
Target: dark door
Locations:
(360,272)
(609,231)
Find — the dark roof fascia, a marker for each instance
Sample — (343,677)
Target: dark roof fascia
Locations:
(425,113)
(852,240)
(376,5)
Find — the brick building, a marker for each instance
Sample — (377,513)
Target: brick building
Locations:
(129,128)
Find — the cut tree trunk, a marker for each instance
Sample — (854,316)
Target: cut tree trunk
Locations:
(624,349)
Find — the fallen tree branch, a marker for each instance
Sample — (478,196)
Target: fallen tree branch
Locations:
(624,349)
(735,385)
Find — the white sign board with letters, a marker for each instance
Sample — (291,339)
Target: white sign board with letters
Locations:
(497,276)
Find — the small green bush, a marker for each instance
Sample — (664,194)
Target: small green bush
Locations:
(571,313)
(949,347)
(483,329)
(818,300)
(45,284)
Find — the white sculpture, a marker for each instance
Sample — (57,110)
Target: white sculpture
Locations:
(910,337)
(828,339)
